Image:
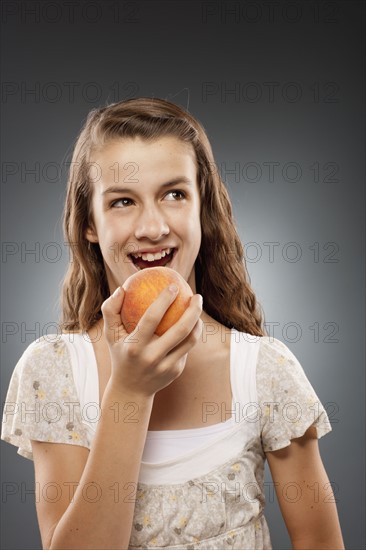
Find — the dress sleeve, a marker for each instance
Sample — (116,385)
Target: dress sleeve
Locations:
(42,401)
(287,400)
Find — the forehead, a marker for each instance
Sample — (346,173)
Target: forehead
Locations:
(160,158)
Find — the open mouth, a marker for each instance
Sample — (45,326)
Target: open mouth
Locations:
(143,264)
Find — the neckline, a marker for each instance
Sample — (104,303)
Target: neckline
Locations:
(185,432)
(191,432)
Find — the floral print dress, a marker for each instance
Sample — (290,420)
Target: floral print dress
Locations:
(211,498)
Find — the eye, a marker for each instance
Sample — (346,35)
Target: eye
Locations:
(114,203)
(124,201)
(177,191)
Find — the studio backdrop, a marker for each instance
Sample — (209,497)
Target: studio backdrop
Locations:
(279,88)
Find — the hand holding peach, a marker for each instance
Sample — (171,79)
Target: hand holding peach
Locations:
(142,362)
(142,289)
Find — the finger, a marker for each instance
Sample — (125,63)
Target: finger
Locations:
(111,311)
(183,327)
(155,312)
(185,345)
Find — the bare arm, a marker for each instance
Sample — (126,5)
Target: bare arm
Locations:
(305,495)
(100,514)
(95,490)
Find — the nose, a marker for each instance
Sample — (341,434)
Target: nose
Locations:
(151,225)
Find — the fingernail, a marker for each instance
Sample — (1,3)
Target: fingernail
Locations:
(201,299)
(173,289)
(116,292)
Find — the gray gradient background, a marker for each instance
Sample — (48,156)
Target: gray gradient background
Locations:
(170,50)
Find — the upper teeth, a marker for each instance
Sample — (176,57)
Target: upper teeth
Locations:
(152,257)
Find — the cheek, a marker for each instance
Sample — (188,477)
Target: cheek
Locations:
(194,232)
(115,242)
(112,231)
(190,225)
(197,224)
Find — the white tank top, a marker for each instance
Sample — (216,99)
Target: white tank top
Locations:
(166,447)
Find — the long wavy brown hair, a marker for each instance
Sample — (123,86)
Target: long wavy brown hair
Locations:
(220,268)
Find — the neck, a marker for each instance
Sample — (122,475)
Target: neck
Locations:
(214,338)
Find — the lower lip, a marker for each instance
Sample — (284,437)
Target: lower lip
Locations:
(169,264)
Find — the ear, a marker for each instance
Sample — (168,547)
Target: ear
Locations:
(91,235)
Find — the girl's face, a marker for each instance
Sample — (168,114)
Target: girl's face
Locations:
(146,200)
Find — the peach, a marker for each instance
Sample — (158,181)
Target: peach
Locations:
(142,289)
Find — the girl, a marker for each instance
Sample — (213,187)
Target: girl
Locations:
(160,442)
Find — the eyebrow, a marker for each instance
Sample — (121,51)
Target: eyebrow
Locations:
(174,181)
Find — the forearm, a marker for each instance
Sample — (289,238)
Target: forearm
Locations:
(101,512)
(336,543)
(315,525)
(321,529)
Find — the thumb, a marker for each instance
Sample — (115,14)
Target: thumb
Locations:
(111,311)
